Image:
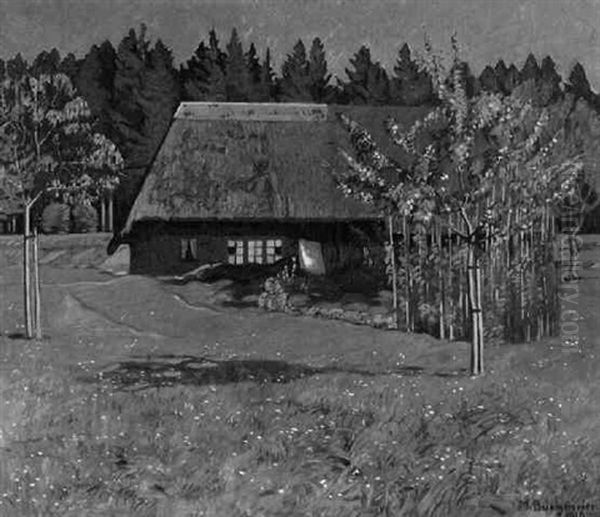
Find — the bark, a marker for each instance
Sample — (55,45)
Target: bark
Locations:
(451,309)
(36,286)
(394,270)
(27,273)
(442,290)
(407,276)
(103,214)
(110,212)
(474,291)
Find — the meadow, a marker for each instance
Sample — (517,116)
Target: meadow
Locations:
(123,409)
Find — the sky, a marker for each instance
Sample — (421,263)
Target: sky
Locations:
(487,29)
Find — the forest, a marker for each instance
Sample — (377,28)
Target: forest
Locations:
(134,88)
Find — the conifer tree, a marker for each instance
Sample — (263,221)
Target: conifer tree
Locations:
(266,90)
(512,79)
(253,71)
(488,81)
(146,93)
(237,73)
(410,86)
(46,63)
(70,66)
(578,84)
(95,82)
(319,76)
(295,83)
(367,82)
(550,81)
(203,75)
(16,67)
(531,70)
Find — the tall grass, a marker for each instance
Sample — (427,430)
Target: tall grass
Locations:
(332,445)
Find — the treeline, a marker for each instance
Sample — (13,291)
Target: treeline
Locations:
(134,89)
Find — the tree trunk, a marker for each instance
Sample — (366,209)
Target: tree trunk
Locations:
(442,290)
(110,212)
(474,290)
(27,273)
(407,279)
(36,287)
(102,214)
(394,270)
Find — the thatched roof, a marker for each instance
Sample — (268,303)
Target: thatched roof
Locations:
(226,161)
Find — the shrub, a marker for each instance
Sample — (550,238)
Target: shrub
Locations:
(56,218)
(274,296)
(85,218)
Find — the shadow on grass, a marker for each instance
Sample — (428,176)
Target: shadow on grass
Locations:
(172,370)
(21,336)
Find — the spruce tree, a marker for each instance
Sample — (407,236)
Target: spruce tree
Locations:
(295,83)
(45,63)
(410,86)
(266,90)
(578,84)
(367,82)
(95,82)
(512,79)
(531,70)
(319,77)
(16,67)
(203,75)
(253,72)
(550,81)
(237,74)
(70,66)
(488,80)
(146,94)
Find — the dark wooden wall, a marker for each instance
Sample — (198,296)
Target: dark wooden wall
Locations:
(156,247)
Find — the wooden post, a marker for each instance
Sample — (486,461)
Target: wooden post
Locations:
(394,269)
(27,274)
(36,286)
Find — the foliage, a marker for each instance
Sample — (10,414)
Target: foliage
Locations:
(410,86)
(84,218)
(367,83)
(56,218)
(304,76)
(49,144)
(276,291)
(479,169)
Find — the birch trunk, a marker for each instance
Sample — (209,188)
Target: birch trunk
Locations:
(103,225)
(27,273)
(474,290)
(36,287)
(394,270)
(110,212)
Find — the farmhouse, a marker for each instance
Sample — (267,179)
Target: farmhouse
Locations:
(244,183)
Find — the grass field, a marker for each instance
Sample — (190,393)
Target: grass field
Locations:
(145,399)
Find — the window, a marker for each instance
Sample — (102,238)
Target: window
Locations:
(235,250)
(189,249)
(254,251)
(273,251)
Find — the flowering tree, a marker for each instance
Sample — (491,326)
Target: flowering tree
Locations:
(48,145)
(483,168)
